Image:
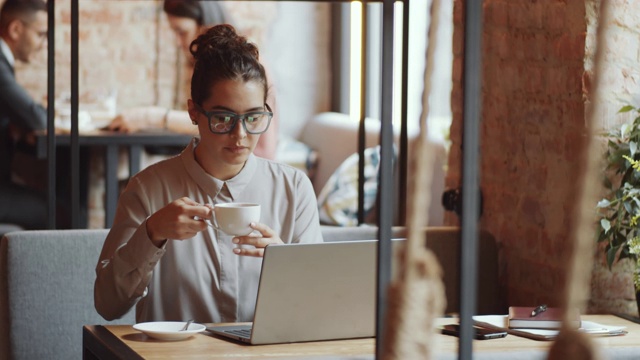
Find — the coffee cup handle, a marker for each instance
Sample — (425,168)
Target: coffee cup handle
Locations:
(214,221)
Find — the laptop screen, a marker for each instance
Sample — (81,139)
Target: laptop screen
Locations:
(320,291)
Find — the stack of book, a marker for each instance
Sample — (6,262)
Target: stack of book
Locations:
(522,317)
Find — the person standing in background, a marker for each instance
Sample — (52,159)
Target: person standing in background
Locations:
(188,19)
(23,32)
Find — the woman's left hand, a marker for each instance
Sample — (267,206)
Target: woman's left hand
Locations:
(259,240)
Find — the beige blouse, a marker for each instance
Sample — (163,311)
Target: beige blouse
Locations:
(200,278)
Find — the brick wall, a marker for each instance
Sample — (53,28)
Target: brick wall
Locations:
(532,131)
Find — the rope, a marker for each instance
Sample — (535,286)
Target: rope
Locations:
(417,297)
(571,344)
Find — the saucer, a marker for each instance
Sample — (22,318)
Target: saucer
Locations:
(168,330)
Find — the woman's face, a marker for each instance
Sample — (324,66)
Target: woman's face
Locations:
(224,155)
(186,30)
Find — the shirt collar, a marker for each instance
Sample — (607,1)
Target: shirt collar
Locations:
(7,53)
(210,184)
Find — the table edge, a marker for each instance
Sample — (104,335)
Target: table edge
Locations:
(113,139)
(99,341)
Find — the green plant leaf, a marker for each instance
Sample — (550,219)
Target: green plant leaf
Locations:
(623,130)
(625,109)
(633,147)
(602,236)
(611,255)
(620,239)
(624,254)
(603,203)
(606,225)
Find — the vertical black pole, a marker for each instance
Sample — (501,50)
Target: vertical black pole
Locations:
(470,170)
(75,149)
(363,112)
(51,129)
(385,189)
(404,133)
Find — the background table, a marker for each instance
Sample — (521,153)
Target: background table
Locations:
(123,342)
(112,142)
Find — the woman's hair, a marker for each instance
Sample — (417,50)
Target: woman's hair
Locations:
(222,54)
(205,13)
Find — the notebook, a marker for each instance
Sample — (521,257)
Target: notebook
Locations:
(550,318)
(312,292)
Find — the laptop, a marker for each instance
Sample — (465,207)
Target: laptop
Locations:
(312,292)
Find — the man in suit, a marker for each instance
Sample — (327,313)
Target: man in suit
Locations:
(23,32)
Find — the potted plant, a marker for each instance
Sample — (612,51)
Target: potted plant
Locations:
(619,211)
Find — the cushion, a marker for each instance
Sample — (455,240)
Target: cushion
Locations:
(338,199)
(298,155)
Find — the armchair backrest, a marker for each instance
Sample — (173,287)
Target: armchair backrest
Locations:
(444,241)
(46,292)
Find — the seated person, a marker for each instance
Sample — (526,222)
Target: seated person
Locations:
(160,255)
(187,19)
(23,32)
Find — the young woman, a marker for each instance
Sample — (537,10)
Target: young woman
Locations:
(159,254)
(188,19)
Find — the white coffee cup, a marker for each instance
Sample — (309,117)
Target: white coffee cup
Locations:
(234,218)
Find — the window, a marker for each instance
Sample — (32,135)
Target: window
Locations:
(350,16)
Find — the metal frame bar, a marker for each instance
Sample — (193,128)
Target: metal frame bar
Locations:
(470,171)
(51,138)
(403,161)
(75,147)
(362,131)
(111,183)
(385,189)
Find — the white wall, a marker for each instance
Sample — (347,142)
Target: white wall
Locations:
(298,56)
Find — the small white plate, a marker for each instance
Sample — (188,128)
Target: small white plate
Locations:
(168,330)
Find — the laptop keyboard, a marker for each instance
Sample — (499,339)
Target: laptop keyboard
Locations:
(245,333)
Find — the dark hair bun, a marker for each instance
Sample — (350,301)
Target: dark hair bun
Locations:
(222,54)
(221,40)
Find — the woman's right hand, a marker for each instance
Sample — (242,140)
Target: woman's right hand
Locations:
(177,221)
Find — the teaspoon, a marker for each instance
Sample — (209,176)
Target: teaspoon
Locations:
(186,326)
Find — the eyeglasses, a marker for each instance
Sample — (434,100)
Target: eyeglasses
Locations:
(223,122)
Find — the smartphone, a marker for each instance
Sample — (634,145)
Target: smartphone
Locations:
(480,333)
